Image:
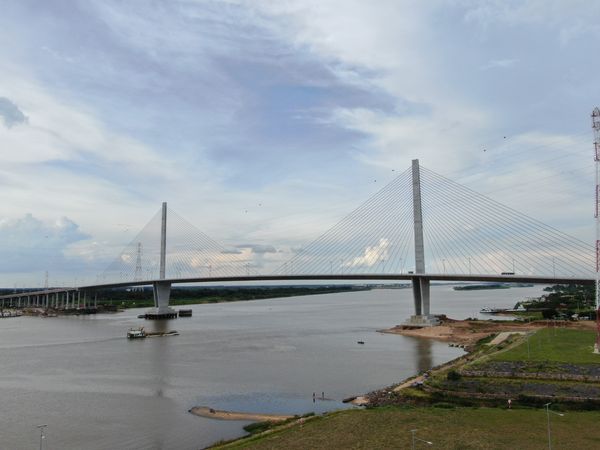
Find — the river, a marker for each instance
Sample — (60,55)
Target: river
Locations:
(97,390)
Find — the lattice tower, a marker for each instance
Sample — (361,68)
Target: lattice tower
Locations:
(596,128)
(138,263)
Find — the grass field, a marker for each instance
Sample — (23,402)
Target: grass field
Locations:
(560,345)
(460,428)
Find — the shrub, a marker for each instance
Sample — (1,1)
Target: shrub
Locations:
(453,375)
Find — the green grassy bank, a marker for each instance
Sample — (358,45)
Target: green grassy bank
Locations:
(458,428)
(561,345)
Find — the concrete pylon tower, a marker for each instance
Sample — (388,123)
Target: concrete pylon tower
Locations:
(162,289)
(420,284)
(163,241)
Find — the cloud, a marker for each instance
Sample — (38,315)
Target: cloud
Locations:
(231,251)
(30,244)
(218,106)
(10,113)
(570,18)
(372,255)
(258,248)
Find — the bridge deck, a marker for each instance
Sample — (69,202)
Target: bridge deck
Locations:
(340,277)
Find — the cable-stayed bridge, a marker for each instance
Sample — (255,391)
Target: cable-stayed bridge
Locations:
(421,227)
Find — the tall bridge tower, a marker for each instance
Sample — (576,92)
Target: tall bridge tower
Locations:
(420,285)
(161,288)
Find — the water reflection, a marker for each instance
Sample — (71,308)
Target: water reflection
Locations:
(160,369)
(424,354)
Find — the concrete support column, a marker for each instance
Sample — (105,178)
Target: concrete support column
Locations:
(416,288)
(425,296)
(162,294)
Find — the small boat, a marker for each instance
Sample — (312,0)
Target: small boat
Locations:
(136,333)
(5,314)
(487,310)
(360,342)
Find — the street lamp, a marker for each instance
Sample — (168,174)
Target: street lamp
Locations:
(548,411)
(415,439)
(42,435)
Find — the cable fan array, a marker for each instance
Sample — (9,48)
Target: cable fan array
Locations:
(374,238)
(464,233)
(190,253)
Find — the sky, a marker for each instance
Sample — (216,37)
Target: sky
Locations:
(263,123)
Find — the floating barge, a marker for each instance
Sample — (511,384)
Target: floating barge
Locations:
(185,313)
(140,333)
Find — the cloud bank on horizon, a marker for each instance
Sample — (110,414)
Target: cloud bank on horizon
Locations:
(264,122)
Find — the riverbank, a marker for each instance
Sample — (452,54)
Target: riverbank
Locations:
(528,364)
(469,332)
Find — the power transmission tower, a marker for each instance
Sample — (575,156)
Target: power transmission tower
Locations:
(138,266)
(596,128)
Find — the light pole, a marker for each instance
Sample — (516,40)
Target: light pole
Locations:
(548,411)
(42,435)
(415,439)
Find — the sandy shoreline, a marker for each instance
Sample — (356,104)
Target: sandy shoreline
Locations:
(205,411)
(467,333)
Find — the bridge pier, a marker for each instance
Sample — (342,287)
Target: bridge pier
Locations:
(162,289)
(162,294)
(422,316)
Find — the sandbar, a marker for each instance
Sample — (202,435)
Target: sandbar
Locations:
(205,411)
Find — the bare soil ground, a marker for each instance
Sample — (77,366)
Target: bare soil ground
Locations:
(468,332)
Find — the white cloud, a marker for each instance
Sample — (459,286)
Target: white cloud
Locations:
(570,18)
(372,255)
(30,244)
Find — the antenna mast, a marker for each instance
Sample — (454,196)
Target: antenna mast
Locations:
(596,128)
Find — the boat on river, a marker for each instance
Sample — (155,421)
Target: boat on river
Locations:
(10,313)
(487,310)
(140,333)
(136,333)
